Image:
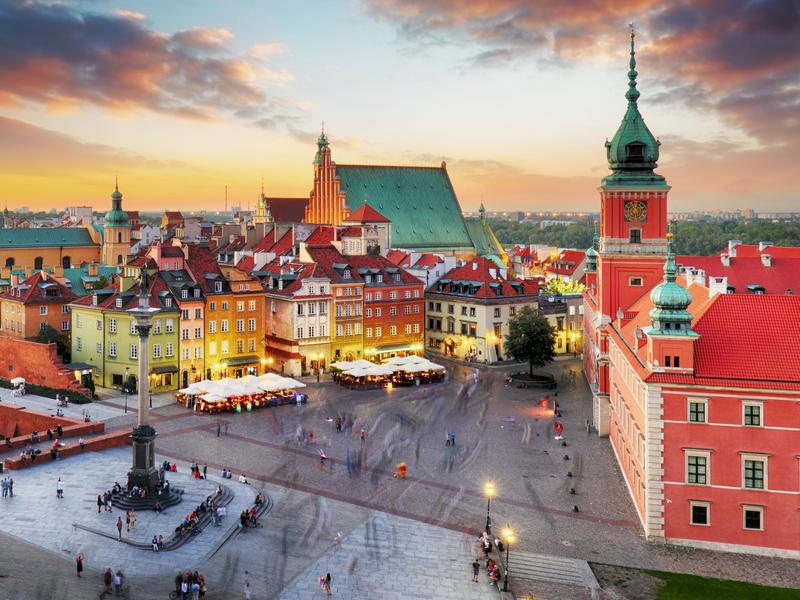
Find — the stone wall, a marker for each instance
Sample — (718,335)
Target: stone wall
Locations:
(36,363)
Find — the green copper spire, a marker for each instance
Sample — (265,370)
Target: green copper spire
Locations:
(322,143)
(671,301)
(591,253)
(116,217)
(633,151)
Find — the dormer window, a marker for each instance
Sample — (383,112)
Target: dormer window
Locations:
(379,277)
(118,303)
(217,286)
(346,274)
(196,293)
(168,302)
(184,294)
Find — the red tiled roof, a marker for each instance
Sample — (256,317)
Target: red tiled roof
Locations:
(351,231)
(170,251)
(269,244)
(32,291)
(751,250)
(324,234)
(287,210)
(130,298)
(479,270)
(246,264)
(366,214)
(199,262)
(428,261)
(782,274)
(566,263)
(399,258)
(750,337)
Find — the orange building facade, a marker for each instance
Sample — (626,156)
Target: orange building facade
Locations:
(28,306)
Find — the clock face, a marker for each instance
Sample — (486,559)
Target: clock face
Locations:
(635,211)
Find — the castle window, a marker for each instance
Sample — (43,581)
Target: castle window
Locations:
(635,281)
(38,262)
(635,236)
(66,262)
(9,262)
(635,152)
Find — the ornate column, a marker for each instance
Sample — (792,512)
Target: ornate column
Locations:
(144,473)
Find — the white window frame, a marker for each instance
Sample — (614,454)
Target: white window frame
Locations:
(700,503)
(760,405)
(633,278)
(689,401)
(756,508)
(43,310)
(756,457)
(701,454)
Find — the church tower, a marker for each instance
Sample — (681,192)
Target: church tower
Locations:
(116,232)
(326,203)
(633,208)
(262,215)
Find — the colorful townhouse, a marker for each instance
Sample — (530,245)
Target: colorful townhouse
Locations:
(31,305)
(469,307)
(697,389)
(105,335)
(234,315)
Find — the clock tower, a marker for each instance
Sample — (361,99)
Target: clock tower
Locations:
(633,208)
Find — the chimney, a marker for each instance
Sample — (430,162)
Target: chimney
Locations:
(763,246)
(766,259)
(91,270)
(726,260)
(493,273)
(732,247)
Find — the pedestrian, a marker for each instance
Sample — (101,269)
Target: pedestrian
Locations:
(226,428)
(327,585)
(363,435)
(218,428)
(133,518)
(11,486)
(154,542)
(127,520)
(185,589)
(195,590)
(248,592)
(100,502)
(476,567)
(108,579)
(4,485)
(59,488)
(79,563)
(119,527)
(117,583)
(205,471)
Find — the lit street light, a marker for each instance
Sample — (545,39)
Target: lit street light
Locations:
(508,536)
(489,491)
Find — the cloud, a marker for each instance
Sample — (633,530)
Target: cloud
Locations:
(52,55)
(26,149)
(129,14)
(740,58)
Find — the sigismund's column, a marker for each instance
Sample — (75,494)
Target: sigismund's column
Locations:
(144,473)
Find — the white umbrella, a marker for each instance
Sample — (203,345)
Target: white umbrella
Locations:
(290,383)
(379,370)
(18,381)
(356,372)
(211,398)
(342,365)
(362,363)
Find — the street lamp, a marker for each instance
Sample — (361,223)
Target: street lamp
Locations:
(489,490)
(264,364)
(125,389)
(508,536)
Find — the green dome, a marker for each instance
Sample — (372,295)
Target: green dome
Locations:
(591,253)
(116,217)
(633,151)
(671,301)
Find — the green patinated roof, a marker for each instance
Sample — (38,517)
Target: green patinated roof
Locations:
(633,151)
(671,301)
(116,217)
(78,276)
(45,237)
(482,238)
(419,201)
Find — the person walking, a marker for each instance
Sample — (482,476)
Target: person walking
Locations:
(327,585)
(11,486)
(218,428)
(79,563)
(108,579)
(117,582)
(59,488)
(119,528)
(133,518)
(127,520)
(100,502)
(476,567)
(205,471)
(4,485)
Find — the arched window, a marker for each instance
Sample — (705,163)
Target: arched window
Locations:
(119,237)
(66,262)
(38,262)
(119,259)
(10,261)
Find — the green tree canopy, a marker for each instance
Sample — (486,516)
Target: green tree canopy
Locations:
(48,335)
(530,338)
(561,287)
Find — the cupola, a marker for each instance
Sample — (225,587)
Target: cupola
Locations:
(633,151)
(591,253)
(670,315)
(116,217)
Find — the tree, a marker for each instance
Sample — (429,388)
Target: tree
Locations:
(48,335)
(530,338)
(561,287)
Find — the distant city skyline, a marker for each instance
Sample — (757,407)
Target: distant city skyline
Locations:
(180,100)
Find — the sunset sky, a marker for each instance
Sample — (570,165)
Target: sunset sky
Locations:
(180,98)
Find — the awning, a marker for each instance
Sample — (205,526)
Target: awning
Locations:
(78,366)
(240,360)
(160,370)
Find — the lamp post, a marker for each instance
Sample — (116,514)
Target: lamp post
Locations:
(508,536)
(125,389)
(489,491)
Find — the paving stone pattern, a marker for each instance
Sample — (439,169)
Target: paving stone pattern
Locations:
(392,558)
(36,515)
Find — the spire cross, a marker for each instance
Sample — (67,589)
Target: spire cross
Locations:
(116,183)
(632,94)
